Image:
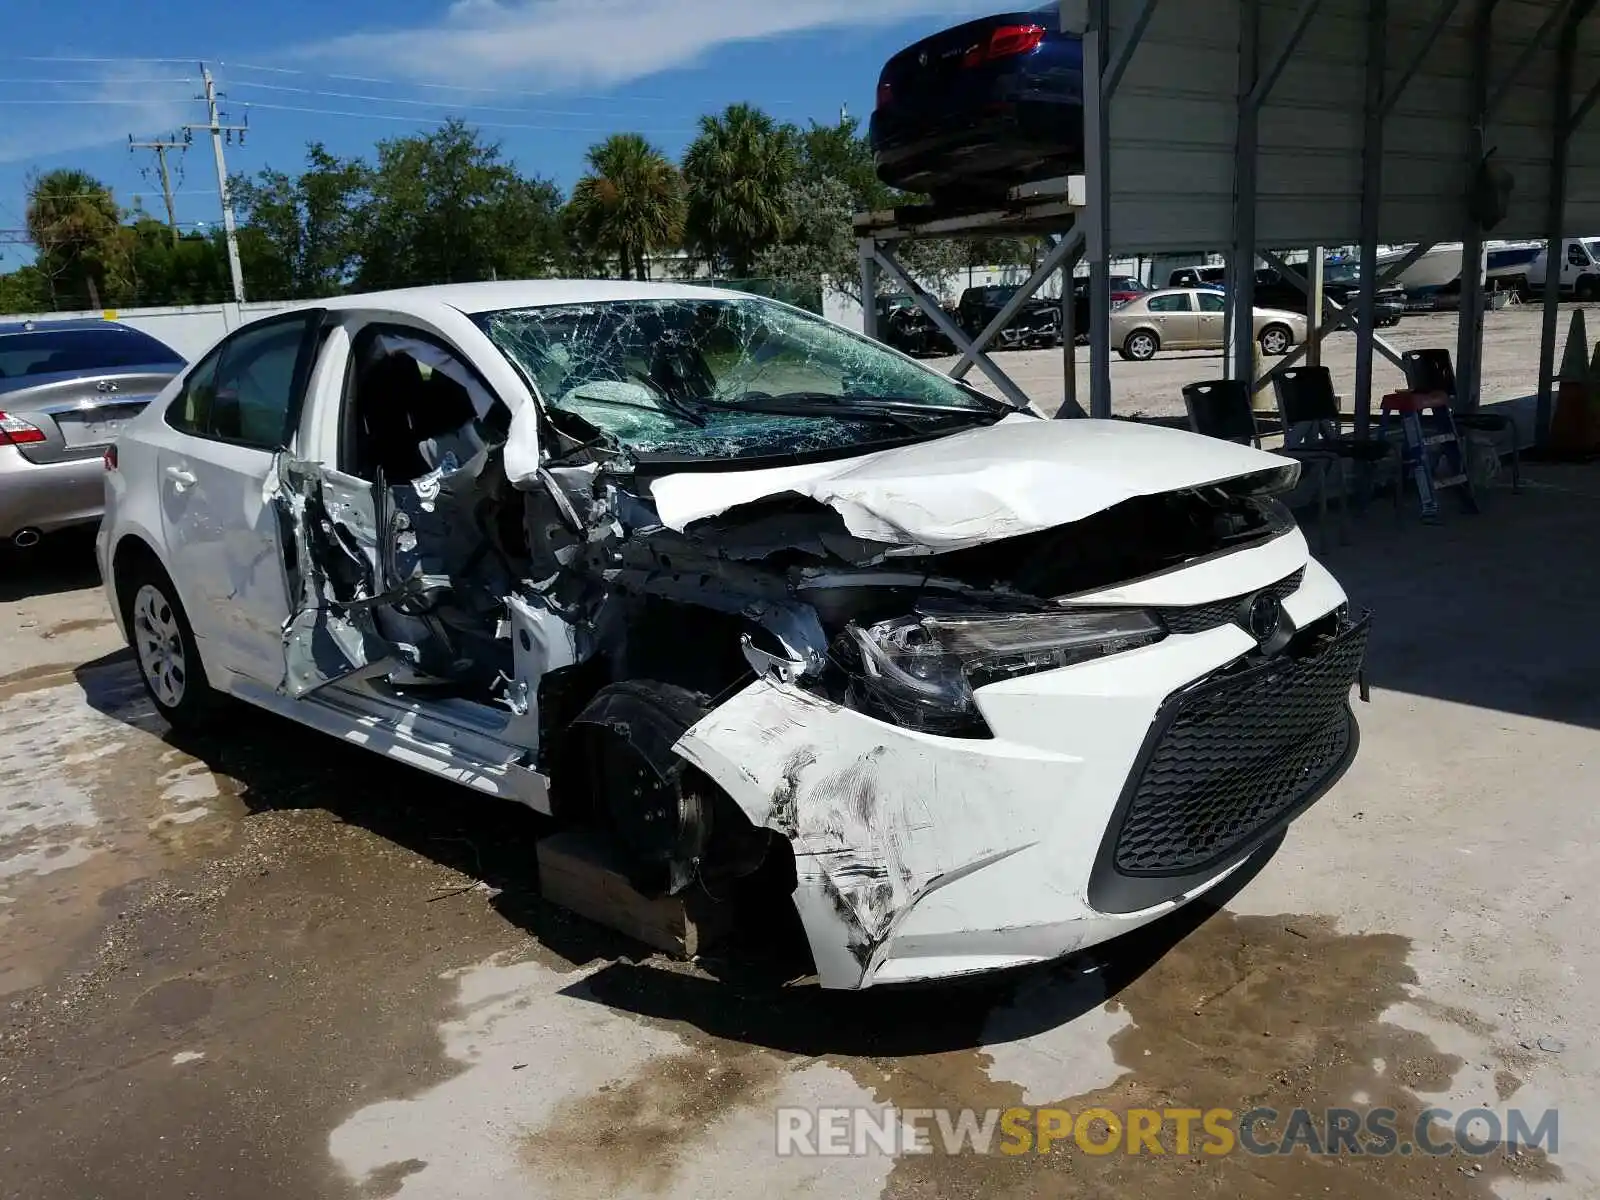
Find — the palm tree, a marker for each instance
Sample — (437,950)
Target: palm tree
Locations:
(630,203)
(738,171)
(75,224)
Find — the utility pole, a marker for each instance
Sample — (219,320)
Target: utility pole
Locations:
(217,129)
(161,146)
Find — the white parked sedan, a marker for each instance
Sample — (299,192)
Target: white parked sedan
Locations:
(750,593)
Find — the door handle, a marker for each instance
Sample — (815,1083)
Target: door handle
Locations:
(182,480)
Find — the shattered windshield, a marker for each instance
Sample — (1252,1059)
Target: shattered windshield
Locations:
(727,378)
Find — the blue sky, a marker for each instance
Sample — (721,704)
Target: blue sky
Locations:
(546,77)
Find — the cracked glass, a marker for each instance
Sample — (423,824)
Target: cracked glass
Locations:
(727,378)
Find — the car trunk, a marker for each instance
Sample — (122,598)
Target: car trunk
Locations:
(80,416)
(925,70)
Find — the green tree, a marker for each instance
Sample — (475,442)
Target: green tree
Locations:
(820,243)
(24,290)
(301,235)
(446,207)
(630,204)
(75,226)
(840,153)
(835,179)
(738,172)
(191,270)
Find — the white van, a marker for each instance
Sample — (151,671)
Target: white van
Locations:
(1580,269)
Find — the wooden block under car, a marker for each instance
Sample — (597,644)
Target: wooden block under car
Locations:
(580,872)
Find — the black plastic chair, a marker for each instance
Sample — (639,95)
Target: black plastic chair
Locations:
(1307,401)
(1434,371)
(1221,408)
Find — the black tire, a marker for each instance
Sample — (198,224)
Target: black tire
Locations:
(1141,345)
(164,649)
(1276,340)
(1584,289)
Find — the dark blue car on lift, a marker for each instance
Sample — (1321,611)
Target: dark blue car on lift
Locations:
(968,113)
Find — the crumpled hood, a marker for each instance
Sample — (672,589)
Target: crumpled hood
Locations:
(1019,476)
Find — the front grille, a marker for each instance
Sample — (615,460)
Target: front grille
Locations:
(1238,755)
(1204,617)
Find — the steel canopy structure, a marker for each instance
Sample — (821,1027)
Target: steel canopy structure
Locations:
(1255,125)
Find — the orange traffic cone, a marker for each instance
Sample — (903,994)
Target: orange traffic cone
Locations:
(1573,430)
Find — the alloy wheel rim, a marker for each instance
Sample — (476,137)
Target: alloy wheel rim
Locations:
(1273,341)
(1143,347)
(159,643)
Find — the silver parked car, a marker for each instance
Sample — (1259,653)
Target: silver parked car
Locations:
(1192,319)
(66,390)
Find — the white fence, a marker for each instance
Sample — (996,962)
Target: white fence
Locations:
(189,329)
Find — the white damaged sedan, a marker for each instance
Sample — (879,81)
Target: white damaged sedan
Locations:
(750,593)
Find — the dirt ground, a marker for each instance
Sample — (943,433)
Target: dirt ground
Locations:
(1155,388)
(267,964)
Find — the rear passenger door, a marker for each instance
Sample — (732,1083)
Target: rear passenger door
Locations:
(236,410)
(1210,324)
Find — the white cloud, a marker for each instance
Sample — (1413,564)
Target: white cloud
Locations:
(566,43)
(98,116)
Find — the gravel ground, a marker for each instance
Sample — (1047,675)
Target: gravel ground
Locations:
(1155,388)
(267,964)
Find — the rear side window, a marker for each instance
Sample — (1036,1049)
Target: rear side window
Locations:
(1177,302)
(53,351)
(191,411)
(247,390)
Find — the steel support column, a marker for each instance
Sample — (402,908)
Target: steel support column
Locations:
(869,287)
(1316,298)
(1241,361)
(1469,337)
(1371,205)
(1563,121)
(1097,227)
(1070,405)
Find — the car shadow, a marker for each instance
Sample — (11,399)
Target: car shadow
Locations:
(907,1019)
(756,988)
(62,562)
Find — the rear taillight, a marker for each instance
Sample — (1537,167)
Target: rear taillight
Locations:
(1007,41)
(885,93)
(111,457)
(14,431)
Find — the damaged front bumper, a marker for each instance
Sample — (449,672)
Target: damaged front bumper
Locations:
(922,857)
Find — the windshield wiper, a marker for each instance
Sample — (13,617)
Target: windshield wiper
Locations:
(668,407)
(830,404)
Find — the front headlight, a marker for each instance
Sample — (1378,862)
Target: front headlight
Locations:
(921,671)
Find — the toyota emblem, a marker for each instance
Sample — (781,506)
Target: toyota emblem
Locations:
(105,385)
(1263,617)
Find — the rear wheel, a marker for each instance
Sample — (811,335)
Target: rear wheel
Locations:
(163,643)
(1141,345)
(1276,340)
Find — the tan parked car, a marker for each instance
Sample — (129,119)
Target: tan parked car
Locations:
(1192,319)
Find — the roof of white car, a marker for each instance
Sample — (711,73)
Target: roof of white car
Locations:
(521,293)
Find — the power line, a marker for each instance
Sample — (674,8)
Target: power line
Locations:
(545,112)
(106,82)
(479,89)
(330,112)
(107,103)
(58,58)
